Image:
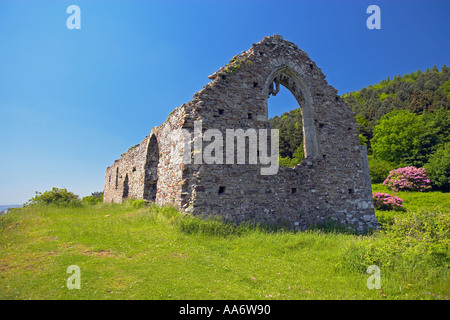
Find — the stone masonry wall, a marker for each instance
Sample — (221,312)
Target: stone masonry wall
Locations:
(128,170)
(332,183)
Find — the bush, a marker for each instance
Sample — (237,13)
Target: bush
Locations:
(438,168)
(56,196)
(408,179)
(94,198)
(137,203)
(384,201)
(287,162)
(416,243)
(90,200)
(379,169)
(297,158)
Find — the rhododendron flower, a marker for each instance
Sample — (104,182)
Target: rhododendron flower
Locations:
(408,178)
(384,201)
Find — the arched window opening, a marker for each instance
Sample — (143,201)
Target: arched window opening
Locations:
(285,115)
(125,187)
(117,177)
(295,95)
(151,170)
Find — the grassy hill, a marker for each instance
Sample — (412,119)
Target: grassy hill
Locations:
(130,251)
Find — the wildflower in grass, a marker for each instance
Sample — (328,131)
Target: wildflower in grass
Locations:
(408,179)
(384,201)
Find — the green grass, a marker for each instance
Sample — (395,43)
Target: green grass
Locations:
(413,201)
(127,252)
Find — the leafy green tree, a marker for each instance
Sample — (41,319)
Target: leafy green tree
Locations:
(435,134)
(403,137)
(379,169)
(396,136)
(291,131)
(438,168)
(362,140)
(297,158)
(446,88)
(299,154)
(363,126)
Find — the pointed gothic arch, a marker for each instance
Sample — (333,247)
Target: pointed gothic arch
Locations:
(151,169)
(292,81)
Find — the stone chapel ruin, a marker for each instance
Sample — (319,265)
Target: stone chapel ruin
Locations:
(332,183)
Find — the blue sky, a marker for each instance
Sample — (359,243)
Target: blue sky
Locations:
(72,101)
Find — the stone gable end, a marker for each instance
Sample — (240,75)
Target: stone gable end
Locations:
(332,184)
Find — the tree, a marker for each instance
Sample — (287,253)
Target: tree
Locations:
(291,132)
(362,140)
(436,133)
(379,169)
(297,158)
(363,125)
(396,136)
(438,168)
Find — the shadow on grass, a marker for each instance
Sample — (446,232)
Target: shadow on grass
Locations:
(330,226)
(221,228)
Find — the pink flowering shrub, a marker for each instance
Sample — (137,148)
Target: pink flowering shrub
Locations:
(384,201)
(408,179)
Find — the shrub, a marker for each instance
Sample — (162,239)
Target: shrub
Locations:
(297,158)
(384,201)
(288,162)
(379,169)
(137,203)
(94,198)
(56,196)
(90,200)
(438,168)
(416,243)
(408,179)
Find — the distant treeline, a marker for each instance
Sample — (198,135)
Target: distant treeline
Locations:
(289,125)
(418,92)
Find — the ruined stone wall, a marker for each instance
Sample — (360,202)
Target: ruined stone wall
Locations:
(170,170)
(126,173)
(331,183)
(151,170)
